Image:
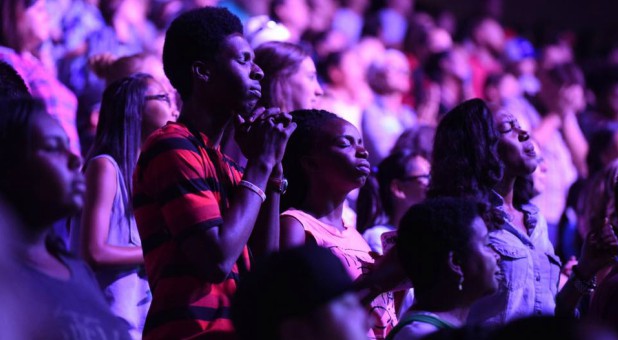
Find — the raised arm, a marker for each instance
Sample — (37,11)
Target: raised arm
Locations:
(214,246)
(599,250)
(266,234)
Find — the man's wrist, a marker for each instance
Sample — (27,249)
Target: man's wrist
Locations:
(583,284)
(278,185)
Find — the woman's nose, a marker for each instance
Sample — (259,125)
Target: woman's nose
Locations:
(318,90)
(523,135)
(75,162)
(362,152)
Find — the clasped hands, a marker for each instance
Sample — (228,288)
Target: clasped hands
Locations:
(264,133)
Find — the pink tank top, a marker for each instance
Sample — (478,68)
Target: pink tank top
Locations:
(353,251)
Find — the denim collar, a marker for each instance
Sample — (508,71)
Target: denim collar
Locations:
(530,211)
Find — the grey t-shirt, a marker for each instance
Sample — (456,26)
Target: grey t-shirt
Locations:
(72,309)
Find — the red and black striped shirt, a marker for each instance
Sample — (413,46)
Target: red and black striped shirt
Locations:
(181,186)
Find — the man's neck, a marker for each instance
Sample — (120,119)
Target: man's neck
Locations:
(206,120)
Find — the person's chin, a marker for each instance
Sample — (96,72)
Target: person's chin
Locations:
(362,179)
(247,109)
(76,196)
(77,203)
(530,167)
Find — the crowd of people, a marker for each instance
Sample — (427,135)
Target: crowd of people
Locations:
(301,169)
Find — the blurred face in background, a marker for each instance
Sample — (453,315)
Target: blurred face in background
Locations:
(555,54)
(490,35)
(158,109)
(439,40)
(321,14)
(305,91)
(414,185)
(294,13)
(456,64)
(35,25)
(397,72)
(508,88)
(351,69)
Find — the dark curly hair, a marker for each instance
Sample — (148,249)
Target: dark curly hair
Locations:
(429,231)
(301,143)
(465,158)
(195,35)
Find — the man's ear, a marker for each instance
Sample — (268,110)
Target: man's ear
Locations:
(454,262)
(200,70)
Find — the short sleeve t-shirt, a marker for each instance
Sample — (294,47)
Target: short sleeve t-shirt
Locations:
(181,186)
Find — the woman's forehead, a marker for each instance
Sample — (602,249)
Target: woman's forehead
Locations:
(339,126)
(504,115)
(45,126)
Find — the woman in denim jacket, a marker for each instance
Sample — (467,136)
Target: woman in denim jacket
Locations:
(480,155)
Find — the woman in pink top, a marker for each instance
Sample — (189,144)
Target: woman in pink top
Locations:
(325,159)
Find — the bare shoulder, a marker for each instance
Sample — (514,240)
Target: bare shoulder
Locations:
(292,232)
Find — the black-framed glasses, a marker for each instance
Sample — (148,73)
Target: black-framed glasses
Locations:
(426,177)
(164,97)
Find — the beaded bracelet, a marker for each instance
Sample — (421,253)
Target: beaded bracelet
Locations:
(584,287)
(253,188)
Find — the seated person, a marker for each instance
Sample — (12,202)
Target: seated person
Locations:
(443,245)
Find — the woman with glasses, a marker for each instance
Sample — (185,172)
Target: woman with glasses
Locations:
(401,181)
(107,236)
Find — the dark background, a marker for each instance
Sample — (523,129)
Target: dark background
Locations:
(593,22)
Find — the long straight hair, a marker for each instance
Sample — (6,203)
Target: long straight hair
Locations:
(119,131)
(279,61)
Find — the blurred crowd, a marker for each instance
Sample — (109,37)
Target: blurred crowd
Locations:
(396,136)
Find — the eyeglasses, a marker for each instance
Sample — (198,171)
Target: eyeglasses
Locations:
(426,177)
(164,97)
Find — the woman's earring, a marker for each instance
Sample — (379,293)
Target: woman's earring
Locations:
(461,281)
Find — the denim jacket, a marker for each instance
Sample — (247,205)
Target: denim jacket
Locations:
(530,271)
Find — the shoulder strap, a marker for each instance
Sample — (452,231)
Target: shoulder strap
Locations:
(430,319)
